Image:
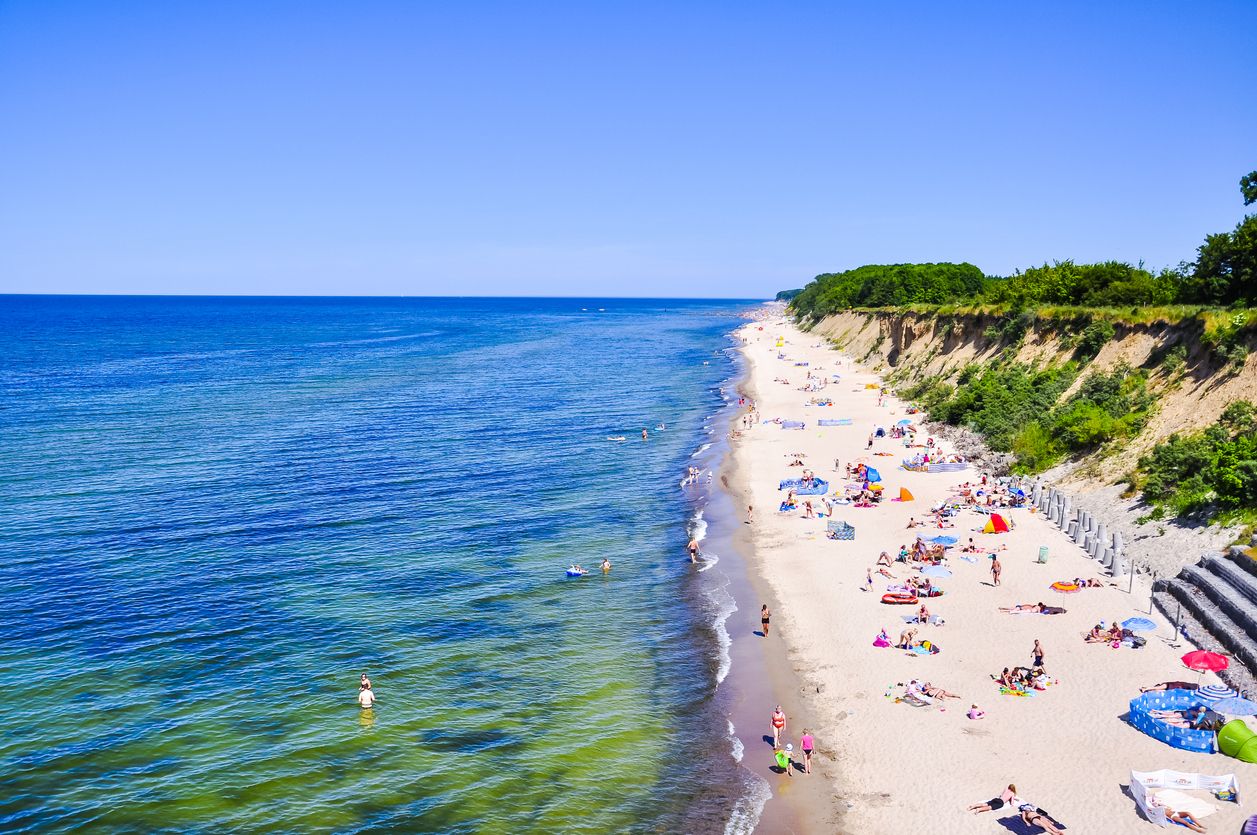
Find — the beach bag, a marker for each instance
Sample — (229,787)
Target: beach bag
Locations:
(1136,642)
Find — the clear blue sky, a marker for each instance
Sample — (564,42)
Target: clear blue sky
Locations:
(699,149)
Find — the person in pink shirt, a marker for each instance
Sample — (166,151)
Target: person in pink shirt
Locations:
(807,744)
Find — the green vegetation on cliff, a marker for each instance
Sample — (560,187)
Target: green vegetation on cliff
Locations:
(1214,470)
(1019,409)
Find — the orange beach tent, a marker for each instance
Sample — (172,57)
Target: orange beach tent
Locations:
(996,524)
(904,495)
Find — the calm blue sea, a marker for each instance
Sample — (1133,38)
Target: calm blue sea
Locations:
(217,512)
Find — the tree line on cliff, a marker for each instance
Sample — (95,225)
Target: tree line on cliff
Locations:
(1224,274)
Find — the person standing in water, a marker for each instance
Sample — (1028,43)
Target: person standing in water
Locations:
(366,698)
(778,725)
(645,435)
(764,615)
(693,549)
(606,566)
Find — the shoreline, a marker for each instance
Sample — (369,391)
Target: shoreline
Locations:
(827,623)
(760,674)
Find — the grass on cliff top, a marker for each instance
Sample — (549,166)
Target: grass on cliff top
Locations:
(1212,320)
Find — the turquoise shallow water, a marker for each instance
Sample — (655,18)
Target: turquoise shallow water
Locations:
(218,512)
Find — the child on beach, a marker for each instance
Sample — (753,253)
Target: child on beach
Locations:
(783,759)
(807,743)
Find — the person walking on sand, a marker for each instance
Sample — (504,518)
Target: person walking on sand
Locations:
(693,549)
(807,743)
(868,579)
(764,615)
(1037,652)
(778,722)
(749,509)
(996,568)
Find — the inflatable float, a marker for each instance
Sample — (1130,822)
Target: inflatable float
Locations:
(899,598)
(576,572)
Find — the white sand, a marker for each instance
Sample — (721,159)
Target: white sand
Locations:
(903,769)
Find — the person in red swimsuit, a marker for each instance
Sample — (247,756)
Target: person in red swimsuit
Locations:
(779,726)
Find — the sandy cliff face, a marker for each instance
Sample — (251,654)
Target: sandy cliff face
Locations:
(1191,395)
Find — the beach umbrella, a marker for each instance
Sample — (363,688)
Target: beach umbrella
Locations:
(944,540)
(935,571)
(1139,625)
(1204,661)
(1214,692)
(1234,706)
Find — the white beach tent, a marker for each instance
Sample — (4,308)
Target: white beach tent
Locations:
(1145,784)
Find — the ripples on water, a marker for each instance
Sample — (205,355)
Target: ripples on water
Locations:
(217,513)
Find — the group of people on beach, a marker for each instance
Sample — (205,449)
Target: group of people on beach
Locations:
(783,756)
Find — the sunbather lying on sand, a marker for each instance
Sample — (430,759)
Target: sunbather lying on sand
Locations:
(886,573)
(1194,718)
(1009,795)
(1040,608)
(1169,685)
(1032,815)
(937,692)
(1182,818)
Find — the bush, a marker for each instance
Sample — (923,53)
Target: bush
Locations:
(1208,471)
(1174,359)
(1094,337)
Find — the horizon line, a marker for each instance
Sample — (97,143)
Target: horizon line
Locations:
(362,296)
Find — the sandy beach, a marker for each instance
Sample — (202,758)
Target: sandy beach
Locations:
(887,766)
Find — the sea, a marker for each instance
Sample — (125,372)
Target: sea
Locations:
(217,513)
